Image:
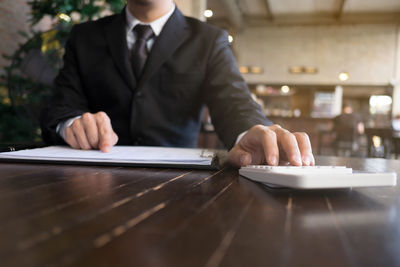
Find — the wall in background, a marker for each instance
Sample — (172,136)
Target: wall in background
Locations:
(13,18)
(192,8)
(366,52)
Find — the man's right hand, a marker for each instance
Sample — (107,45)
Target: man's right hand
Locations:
(91,131)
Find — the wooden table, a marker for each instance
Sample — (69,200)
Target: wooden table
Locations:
(54,215)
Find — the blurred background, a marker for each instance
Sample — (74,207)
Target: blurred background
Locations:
(327,67)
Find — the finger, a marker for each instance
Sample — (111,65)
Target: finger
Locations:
(303,141)
(114,138)
(289,145)
(80,134)
(90,127)
(70,138)
(107,137)
(238,157)
(270,147)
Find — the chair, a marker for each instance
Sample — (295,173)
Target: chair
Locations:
(345,140)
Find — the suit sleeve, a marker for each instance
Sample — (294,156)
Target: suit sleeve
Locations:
(68,99)
(228,98)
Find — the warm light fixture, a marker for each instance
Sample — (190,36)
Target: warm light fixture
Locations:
(285,89)
(251,69)
(296,69)
(256,70)
(343,76)
(230,38)
(208,13)
(244,69)
(303,70)
(310,70)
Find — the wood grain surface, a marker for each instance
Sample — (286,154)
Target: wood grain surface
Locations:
(57,215)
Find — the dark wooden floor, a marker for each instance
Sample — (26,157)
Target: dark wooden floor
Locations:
(53,215)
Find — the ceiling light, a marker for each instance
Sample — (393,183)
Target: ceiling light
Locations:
(230,38)
(285,89)
(208,13)
(343,76)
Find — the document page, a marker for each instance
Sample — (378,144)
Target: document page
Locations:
(118,154)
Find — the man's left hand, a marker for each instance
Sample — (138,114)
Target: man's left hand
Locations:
(272,145)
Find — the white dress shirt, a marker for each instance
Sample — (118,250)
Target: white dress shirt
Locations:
(157,26)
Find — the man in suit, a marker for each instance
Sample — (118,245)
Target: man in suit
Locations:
(142,77)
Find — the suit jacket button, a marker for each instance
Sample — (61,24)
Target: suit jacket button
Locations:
(139,94)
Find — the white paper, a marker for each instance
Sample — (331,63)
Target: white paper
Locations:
(118,154)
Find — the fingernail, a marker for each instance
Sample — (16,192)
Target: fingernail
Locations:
(273,161)
(106,149)
(297,159)
(306,161)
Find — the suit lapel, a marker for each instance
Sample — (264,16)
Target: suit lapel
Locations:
(116,39)
(174,33)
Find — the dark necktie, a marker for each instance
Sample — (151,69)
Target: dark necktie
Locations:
(139,50)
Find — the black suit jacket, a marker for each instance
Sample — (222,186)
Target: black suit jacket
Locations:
(190,65)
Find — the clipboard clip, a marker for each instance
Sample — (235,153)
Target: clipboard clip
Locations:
(207,153)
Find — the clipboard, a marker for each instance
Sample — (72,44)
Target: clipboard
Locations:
(138,156)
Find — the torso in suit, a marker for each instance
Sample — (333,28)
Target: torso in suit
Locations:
(190,65)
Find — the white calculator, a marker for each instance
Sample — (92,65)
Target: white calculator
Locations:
(316,177)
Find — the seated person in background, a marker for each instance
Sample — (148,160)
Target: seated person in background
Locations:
(348,124)
(142,77)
